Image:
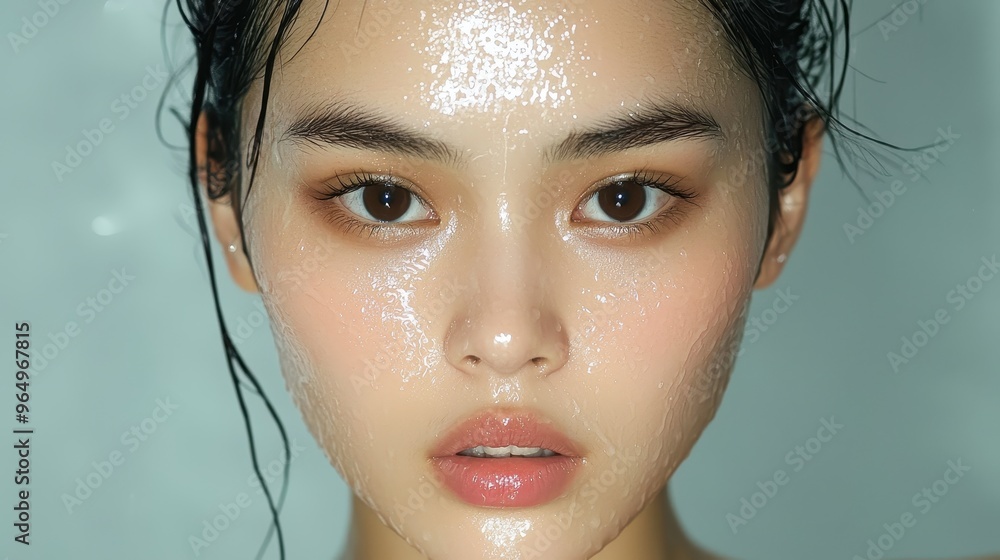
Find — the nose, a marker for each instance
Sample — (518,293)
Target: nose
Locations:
(503,339)
(508,324)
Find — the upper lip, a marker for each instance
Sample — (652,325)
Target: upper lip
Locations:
(500,428)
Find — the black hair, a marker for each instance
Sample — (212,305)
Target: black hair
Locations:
(788,48)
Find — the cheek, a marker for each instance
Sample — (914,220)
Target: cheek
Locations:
(693,335)
(670,332)
(669,348)
(356,340)
(347,340)
(696,325)
(338,376)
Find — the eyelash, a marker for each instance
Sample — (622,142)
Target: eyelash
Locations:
(663,182)
(361,179)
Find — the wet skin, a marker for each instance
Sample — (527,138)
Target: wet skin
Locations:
(554,207)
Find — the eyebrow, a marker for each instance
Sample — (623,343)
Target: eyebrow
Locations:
(344,124)
(653,123)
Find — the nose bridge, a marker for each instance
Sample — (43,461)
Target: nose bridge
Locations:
(509,263)
(509,322)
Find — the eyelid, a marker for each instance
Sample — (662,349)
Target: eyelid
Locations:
(366,178)
(362,179)
(666,182)
(338,213)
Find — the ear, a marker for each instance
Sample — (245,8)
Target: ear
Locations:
(221,210)
(793,201)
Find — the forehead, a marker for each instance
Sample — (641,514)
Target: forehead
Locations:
(542,66)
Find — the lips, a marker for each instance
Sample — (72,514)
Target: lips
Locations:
(506,459)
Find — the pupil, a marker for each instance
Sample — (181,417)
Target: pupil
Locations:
(386,203)
(622,201)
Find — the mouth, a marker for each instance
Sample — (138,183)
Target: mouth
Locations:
(506,459)
(483,451)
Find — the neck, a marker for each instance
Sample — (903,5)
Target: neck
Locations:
(654,534)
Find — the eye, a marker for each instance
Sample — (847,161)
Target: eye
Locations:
(382,203)
(379,201)
(377,198)
(639,199)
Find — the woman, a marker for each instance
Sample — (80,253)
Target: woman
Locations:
(507,248)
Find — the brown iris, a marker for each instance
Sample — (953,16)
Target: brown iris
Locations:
(386,203)
(622,200)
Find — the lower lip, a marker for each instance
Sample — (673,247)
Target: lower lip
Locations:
(506,482)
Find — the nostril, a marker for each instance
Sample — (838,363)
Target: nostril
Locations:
(538,361)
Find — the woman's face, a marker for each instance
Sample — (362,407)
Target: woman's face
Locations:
(563,213)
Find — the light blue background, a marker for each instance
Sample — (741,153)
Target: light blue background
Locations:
(127,205)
